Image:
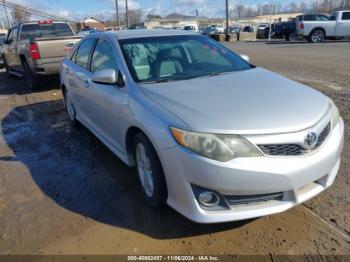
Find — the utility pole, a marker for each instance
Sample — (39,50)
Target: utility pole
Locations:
(270,27)
(227,17)
(117,12)
(126,14)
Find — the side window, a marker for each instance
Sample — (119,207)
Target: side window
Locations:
(10,36)
(322,18)
(346,16)
(15,32)
(83,53)
(74,55)
(309,18)
(103,57)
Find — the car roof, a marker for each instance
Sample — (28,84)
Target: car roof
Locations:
(139,33)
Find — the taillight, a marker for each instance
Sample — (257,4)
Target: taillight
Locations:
(34,51)
(302,26)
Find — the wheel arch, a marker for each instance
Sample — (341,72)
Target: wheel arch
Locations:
(318,28)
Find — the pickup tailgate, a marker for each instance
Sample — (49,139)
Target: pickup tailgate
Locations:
(50,48)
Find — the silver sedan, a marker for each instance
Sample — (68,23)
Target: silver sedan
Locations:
(211,135)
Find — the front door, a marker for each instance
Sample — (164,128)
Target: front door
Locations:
(106,102)
(343,25)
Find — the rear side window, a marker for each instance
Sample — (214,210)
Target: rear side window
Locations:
(309,18)
(103,57)
(322,18)
(83,53)
(45,30)
(346,16)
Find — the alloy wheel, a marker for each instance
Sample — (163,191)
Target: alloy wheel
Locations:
(144,169)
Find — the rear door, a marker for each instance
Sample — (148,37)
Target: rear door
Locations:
(343,24)
(79,75)
(106,102)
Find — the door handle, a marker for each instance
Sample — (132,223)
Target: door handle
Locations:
(86,83)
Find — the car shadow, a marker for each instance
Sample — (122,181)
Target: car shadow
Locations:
(80,174)
(16,85)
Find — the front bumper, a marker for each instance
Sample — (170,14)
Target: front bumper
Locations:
(299,178)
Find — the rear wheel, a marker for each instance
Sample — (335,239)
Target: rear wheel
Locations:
(293,37)
(7,70)
(316,36)
(31,79)
(150,173)
(69,106)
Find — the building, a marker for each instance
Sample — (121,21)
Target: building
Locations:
(93,22)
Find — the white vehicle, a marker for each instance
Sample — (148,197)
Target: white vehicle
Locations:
(317,27)
(263,26)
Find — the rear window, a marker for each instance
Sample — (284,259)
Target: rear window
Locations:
(46,30)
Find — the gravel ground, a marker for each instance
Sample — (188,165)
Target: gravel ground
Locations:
(63,192)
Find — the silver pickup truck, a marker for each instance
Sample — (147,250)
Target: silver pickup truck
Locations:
(317,27)
(36,49)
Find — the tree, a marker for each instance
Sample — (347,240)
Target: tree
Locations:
(151,16)
(135,16)
(239,10)
(20,16)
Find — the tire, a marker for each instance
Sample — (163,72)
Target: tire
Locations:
(316,36)
(70,109)
(31,79)
(150,172)
(293,37)
(7,70)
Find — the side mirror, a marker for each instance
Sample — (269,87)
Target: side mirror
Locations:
(105,76)
(245,57)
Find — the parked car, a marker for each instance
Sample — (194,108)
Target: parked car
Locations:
(86,31)
(215,137)
(36,49)
(248,29)
(193,28)
(286,30)
(317,27)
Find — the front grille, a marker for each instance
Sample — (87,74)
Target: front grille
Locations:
(253,199)
(294,149)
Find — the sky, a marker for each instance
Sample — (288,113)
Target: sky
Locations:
(81,8)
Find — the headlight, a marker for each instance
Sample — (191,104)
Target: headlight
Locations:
(335,113)
(218,147)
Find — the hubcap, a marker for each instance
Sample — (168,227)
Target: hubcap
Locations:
(144,169)
(317,37)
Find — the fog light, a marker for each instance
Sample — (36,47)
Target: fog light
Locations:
(209,199)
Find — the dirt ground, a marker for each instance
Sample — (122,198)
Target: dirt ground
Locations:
(63,192)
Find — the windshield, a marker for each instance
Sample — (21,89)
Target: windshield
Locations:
(170,58)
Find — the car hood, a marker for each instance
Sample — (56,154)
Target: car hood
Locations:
(253,101)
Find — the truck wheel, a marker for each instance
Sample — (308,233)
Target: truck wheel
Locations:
(31,79)
(316,36)
(293,37)
(7,70)
(150,172)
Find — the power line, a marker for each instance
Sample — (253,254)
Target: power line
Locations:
(34,11)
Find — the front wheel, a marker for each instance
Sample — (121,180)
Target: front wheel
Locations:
(317,36)
(150,173)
